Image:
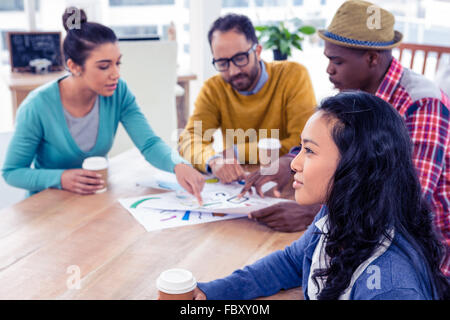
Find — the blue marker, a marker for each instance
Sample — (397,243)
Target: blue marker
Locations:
(186,215)
(241,182)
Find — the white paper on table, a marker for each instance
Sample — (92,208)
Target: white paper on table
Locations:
(154,219)
(160,180)
(222,200)
(167,181)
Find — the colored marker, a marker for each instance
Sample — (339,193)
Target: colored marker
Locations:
(211,204)
(134,205)
(168,218)
(218,214)
(186,215)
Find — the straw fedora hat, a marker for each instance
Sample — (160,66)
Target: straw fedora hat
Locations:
(363,25)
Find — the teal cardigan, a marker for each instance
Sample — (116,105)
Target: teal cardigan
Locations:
(43,139)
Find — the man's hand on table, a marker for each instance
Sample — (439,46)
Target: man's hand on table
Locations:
(280,173)
(227,168)
(286,216)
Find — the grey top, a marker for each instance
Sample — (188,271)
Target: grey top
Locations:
(84,130)
(419,87)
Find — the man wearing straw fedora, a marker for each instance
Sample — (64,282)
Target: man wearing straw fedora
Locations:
(358,44)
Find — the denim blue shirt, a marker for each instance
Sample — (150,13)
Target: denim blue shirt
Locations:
(392,276)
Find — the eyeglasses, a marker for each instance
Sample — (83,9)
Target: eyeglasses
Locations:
(239,60)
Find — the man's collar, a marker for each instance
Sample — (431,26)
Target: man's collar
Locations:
(261,82)
(390,81)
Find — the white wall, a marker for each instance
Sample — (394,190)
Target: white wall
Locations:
(202,14)
(149,69)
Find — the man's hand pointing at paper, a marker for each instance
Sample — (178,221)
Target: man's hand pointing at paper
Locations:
(283,216)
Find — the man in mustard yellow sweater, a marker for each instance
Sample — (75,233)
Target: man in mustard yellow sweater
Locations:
(250,99)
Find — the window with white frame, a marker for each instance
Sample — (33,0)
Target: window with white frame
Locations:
(420,21)
(128,18)
(12,18)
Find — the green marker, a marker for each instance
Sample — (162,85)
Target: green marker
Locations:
(211,204)
(212,180)
(134,205)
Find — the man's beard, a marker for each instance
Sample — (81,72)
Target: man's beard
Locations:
(247,79)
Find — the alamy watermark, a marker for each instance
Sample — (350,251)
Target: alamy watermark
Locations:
(73,282)
(74,19)
(234,140)
(374,280)
(374,20)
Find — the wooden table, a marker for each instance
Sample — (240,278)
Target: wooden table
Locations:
(21,84)
(54,237)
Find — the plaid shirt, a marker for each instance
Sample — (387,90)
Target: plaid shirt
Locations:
(427,120)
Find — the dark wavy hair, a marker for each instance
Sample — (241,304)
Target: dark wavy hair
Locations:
(237,22)
(83,36)
(375,188)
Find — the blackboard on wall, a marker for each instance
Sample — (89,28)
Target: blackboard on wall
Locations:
(27,46)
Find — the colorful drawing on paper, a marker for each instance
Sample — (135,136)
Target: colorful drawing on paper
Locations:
(219,201)
(135,205)
(154,219)
(186,215)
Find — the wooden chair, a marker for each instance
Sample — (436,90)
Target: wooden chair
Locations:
(426,49)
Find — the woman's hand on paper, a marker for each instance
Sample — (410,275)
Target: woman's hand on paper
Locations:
(190,179)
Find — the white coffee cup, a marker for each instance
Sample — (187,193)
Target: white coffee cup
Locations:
(268,150)
(100,165)
(176,284)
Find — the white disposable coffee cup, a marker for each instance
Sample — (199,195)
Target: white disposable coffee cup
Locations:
(176,284)
(100,165)
(268,151)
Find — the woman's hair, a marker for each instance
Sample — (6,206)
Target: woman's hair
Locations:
(83,36)
(375,188)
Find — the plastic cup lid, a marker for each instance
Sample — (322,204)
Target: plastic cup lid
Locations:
(269,143)
(95,163)
(176,281)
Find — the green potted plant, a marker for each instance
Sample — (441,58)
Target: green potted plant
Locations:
(281,40)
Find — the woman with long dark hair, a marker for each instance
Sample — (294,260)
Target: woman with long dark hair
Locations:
(374,237)
(67,120)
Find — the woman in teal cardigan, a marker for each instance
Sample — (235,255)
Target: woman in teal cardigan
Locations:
(65,121)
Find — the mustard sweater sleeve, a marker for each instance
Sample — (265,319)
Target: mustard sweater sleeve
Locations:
(195,143)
